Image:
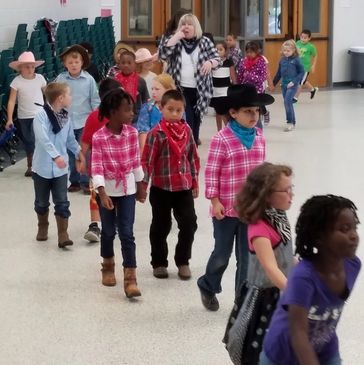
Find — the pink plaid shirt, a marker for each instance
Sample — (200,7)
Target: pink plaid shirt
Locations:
(228,164)
(115,160)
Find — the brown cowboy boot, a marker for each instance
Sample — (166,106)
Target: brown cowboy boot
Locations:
(43,224)
(108,272)
(62,226)
(28,173)
(130,284)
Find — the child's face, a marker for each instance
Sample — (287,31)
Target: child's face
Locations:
(282,195)
(124,114)
(173,110)
(230,41)
(147,66)
(342,240)
(246,116)
(305,38)
(66,99)
(287,51)
(127,64)
(157,91)
(221,50)
(27,70)
(251,54)
(73,64)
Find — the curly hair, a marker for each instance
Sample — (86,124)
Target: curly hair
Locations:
(252,200)
(112,101)
(317,217)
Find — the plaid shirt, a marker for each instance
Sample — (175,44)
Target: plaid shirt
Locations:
(115,158)
(235,54)
(173,55)
(162,166)
(228,164)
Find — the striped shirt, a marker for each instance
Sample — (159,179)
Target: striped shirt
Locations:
(221,79)
(228,164)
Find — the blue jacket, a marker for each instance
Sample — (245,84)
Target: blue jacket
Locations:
(289,69)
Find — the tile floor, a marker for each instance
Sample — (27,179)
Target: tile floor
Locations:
(54,310)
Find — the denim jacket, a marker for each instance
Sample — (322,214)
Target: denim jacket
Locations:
(289,69)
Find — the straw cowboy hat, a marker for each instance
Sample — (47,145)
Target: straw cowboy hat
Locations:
(121,47)
(77,49)
(25,58)
(144,55)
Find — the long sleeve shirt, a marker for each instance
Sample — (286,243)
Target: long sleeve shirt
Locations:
(164,168)
(256,75)
(85,97)
(49,146)
(228,164)
(290,69)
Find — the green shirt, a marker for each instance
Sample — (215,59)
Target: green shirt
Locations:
(307,52)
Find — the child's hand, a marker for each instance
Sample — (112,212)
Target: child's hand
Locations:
(81,165)
(106,201)
(206,68)
(9,124)
(218,210)
(195,192)
(59,161)
(271,88)
(290,84)
(141,194)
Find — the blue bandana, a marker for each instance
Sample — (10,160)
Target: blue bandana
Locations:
(245,135)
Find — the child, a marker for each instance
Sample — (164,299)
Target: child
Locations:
(303,327)
(291,71)
(233,153)
(92,125)
(84,100)
(117,177)
(144,60)
(130,81)
(234,51)
(308,56)
(27,89)
(262,204)
(53,136)
(222,78)
(150,113)
(171,161)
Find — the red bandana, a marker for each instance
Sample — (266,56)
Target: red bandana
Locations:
(176,133)
(250,62)
(129,83)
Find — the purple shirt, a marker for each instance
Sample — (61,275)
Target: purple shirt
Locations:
(306,289)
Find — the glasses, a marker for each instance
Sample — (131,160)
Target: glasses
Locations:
(289,190)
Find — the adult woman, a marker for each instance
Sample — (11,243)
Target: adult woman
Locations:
(191,57)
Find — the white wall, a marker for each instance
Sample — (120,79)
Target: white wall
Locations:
(348,32)
(14,12)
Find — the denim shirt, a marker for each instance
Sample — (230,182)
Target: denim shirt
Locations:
(289,69)
(49,145)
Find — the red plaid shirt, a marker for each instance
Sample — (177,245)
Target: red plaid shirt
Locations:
(228,164)
(162,166)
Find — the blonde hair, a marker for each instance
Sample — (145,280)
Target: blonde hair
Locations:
(166,81)
(292,45)
(191,19)
(54,90)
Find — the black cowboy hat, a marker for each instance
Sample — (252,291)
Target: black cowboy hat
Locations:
(246,95)
(78,49)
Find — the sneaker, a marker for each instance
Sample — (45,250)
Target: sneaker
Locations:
(209,301)
(266,118)
(160,272)
(289,127)
(74,188)
(93,233)
(184,272)
(313,92)
(294,100)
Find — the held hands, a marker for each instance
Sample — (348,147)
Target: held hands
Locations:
(59,161)
(218,209)
(206,68)
(290,84)
(195,192)
(81,165)
(141,194)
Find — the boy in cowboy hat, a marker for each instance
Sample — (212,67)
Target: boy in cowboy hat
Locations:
(27,88)
(85,99)
(234,152)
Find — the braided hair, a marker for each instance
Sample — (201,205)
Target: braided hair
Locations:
(317,217)
(112,100)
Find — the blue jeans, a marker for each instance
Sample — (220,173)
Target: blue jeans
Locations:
(225,232)
(27,134)
(58,187)
(288,95)
(122,217)
(75,177)
(265,361)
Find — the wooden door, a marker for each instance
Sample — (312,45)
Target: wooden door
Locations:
(284,19)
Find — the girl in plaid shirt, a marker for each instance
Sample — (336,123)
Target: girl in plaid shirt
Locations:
(117,177)
(233,153)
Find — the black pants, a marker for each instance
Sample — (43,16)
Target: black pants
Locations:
(192,114)
(182,204)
